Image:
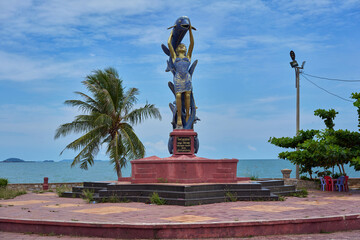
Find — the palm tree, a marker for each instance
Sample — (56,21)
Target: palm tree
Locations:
(108,117)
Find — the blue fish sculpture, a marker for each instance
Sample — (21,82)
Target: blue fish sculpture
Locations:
(179,29)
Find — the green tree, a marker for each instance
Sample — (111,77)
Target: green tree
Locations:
(326,148)
(108,118)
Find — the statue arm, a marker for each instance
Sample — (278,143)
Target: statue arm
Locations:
(191,45)
(171,49)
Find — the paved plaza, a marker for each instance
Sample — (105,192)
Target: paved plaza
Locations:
(48,207)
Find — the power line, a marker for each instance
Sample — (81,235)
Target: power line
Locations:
(325,89)
(331,79)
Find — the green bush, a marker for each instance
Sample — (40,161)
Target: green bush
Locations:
(254,178)
(155,199)
(88,195)
(231,197)
(3,182)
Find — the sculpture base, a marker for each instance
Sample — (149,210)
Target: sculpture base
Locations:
(183,169)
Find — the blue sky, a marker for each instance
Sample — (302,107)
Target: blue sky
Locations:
(243,84)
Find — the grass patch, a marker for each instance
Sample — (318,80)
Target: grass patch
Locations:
(253,178)
(162,180)
(115,199)
(61,189)
(282,198)
(38,191)
(6,193)
(155,199)
(303,193)
(230,197)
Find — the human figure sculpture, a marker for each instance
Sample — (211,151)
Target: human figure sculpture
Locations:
(179,64)
(182,77)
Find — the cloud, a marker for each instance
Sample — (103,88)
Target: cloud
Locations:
(155,147)
(17,67)
(251,148)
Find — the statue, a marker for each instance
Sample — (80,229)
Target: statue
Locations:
(183,109)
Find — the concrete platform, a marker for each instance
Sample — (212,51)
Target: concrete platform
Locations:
(48,214)
(184,194)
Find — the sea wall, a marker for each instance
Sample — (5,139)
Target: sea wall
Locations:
(39,186)
(353,183)
(299,183)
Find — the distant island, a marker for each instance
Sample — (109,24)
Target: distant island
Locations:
(13,160)
(48,161)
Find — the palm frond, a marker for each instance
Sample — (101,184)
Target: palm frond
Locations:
(73,127)
(129,100)
(83,141)
(83,106)
(140,114)
(131,142)
(86,155)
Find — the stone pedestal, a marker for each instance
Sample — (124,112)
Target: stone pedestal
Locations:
(183,166)
(286,173)
(183,141)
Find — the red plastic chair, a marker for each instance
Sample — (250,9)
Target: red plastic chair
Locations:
(329,183)
(346,186)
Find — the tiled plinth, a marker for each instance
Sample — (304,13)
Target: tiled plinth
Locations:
(183,169)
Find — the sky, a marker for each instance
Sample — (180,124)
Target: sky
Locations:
(243,84)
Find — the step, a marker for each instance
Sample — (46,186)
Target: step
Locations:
(92,189)
(71,195)
(164,194)
(284,188)
(95,184)
(271,182)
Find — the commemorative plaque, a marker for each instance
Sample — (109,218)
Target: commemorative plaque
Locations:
(183,144)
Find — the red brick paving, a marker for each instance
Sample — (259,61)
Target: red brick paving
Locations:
(349,235)
(49,206)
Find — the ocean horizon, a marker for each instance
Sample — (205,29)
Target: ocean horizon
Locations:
(61,171)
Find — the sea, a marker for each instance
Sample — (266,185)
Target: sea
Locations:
(58,172)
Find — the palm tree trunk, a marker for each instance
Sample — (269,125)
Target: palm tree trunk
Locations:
(118,170)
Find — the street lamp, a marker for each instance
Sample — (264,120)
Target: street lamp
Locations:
(295,65)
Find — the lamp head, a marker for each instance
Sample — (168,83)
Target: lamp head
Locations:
(292,55)
(294,64)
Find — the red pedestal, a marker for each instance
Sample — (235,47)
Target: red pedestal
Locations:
(183,141)
(183,169)
(183,166)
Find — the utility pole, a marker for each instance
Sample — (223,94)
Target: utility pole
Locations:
(295,65)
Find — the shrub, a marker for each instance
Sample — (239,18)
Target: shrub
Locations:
(88,195)
(232,197)
(155,199)
(60,190)
(254,178)
(3,182)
